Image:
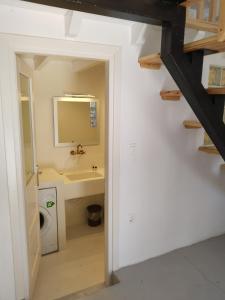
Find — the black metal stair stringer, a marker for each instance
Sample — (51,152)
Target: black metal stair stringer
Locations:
(186,70)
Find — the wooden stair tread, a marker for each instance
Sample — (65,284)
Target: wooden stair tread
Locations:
(192,124)
(152,61)
(216,91)
(210,91)
(171,95)
(210,43)
(208,149)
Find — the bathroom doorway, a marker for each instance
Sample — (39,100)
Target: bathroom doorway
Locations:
(63,117)
(11,46)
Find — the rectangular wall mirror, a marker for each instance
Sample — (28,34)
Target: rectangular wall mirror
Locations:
(76,121)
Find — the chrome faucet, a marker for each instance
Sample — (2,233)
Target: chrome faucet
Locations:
(79,151)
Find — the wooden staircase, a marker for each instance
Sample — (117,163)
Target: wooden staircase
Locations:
(196,17)
(213,23)
(185,63)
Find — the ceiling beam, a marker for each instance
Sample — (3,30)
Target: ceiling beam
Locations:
(73,23)
(39,61)
(148,11)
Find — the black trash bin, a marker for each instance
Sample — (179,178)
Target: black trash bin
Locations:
(94,212)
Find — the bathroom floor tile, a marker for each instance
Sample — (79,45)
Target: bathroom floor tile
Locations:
(79,266)
(78,231)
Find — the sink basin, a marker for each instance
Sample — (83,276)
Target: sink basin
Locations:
(82,176)
(82,184)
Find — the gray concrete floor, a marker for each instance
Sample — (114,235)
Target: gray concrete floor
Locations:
(192,273)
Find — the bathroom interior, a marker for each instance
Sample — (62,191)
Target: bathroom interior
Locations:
(62,104)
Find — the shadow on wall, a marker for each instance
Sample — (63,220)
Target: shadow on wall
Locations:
(152,39)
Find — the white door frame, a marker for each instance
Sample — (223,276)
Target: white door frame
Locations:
(10,45)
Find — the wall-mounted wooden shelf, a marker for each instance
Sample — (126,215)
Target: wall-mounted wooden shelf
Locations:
(192,124)
(171,95)
(209,149)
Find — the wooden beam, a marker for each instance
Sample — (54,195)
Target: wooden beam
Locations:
(171,95)
(192,124)
(209,149)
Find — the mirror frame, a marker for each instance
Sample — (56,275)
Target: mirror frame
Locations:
(78,98)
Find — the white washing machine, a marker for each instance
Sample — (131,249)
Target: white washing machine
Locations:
(48,219)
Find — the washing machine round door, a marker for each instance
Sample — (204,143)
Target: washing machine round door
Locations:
(45,220)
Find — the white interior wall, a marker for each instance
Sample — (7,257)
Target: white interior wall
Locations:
(173,193)
(56,78)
